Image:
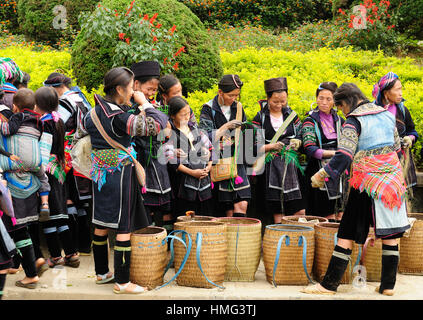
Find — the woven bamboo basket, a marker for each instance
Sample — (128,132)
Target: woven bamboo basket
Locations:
(325,244)
(148,256)
(213,254)
(372,257)
(411,248)
(294,220)
(194,218)
(290,269)
(244,248)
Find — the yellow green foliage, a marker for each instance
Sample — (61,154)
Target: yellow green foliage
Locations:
(305,71)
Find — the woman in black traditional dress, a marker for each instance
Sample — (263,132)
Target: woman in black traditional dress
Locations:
(320,134)
(282,180)
(117,197)
(218,119)
(192,184)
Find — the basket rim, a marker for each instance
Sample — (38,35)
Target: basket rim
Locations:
(417,215)
(151,228)
(207,224)
(328,225)
(257,221)
(289,227)
(304,216)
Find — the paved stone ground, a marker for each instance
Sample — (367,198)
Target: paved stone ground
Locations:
(79,284)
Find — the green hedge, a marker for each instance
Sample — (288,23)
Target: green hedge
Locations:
(199,67)
(36,18)
(268,13)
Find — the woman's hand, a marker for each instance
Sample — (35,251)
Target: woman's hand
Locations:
(233,124)
(295,144)
(180,154)
(327,154)
(278,146)
(139,98)
(199,173)
(318,180)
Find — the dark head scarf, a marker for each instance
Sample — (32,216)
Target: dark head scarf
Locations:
(146,69)
(230,82)
(275,84)
(56,79)
(382,84)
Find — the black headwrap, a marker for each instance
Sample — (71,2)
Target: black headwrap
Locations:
(230,82)
(146,69)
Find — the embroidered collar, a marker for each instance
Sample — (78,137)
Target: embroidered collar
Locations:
(366,109)
(110,109)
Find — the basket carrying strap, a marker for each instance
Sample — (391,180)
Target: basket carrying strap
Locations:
(188,248)
(198,242)
(366,244)
(301,242)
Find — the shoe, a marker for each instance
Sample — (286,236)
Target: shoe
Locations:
(386,292)
(123,289)
(314,289)
(105,278)
(32,285)
(52,262)
(72,260)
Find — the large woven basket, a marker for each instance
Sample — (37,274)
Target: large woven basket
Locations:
(244,248)
(288,267)
(372,257)
(194,218)
(411,248)
(310,220)
(325,237)
(148,256)
(212,254)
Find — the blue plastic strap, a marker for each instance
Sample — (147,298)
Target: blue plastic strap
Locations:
(278,251)
(183,241)
(302,241)
(198,242)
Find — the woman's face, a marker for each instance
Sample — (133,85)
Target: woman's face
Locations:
(124,94)
(175,91)
(149,88)
(277,101)
(229,97)
(345,108)
(325,101)
(182,117)
(394,95)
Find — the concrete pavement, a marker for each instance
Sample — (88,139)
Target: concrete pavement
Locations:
(64,283)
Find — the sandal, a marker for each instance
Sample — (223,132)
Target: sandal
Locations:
(314,289)
(44,212)
(124,289)
(72,260)
(386,292)
(105,278)
(31,285)
(52,262)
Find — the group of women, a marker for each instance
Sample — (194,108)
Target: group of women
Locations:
(153,161)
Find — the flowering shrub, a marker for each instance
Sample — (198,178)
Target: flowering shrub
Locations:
(178,41)
(369,26)
(8,15)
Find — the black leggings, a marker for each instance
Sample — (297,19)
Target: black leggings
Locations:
(23,243)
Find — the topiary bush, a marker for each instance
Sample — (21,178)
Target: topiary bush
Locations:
(198,68)
(36,18)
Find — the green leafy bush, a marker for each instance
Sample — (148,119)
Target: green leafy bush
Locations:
(305,71)
(199,66)
(39,21)
(267,13)
(8,15)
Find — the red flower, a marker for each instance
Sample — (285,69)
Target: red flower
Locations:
(173,29)
(165,61)
(130,8)
(121,35)
(158,25)
(153,18)
(127,40)
(145,17)
(181,49)
(341,11)
(155,39)
(176,66)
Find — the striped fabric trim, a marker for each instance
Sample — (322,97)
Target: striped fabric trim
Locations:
(341,255)
(118,248)
(49,230)
(390,253)
(62,228)
(100,243)
(23,243)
